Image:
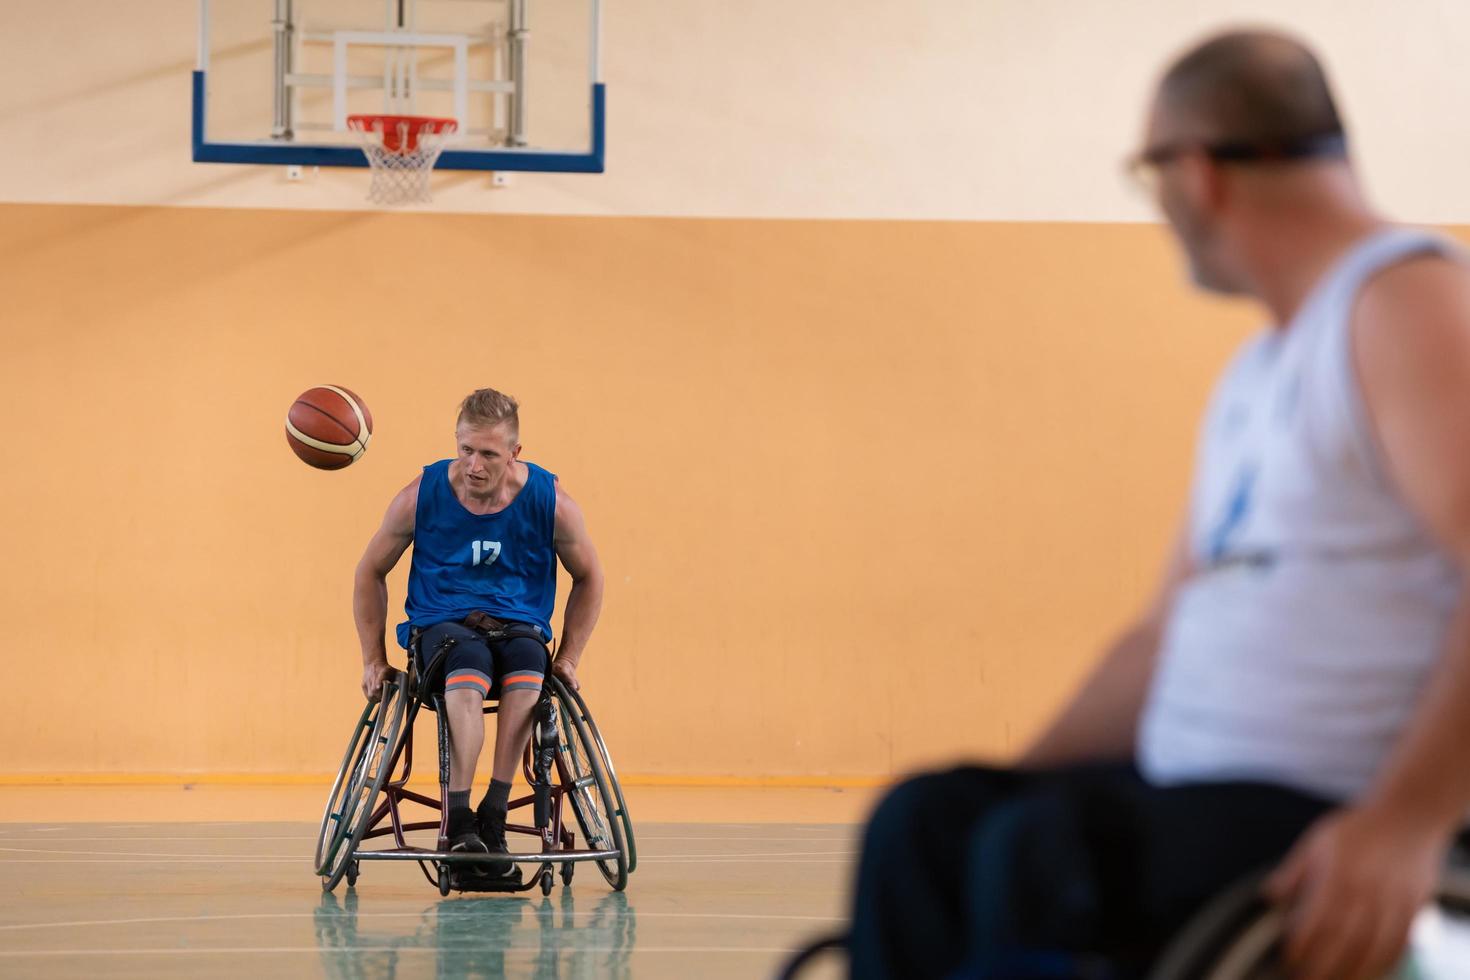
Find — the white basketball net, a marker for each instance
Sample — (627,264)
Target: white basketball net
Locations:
(401,152)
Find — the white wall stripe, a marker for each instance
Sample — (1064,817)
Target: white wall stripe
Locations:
(730,855)
(642,838)
(992,125)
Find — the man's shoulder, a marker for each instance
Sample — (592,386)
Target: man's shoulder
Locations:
(544,484)
(1429,288)
(433,471)
(411,490)
(403,508)
(1413,318)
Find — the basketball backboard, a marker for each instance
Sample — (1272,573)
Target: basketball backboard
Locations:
(277,79)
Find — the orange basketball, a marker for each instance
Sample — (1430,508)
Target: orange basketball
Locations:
(328,427)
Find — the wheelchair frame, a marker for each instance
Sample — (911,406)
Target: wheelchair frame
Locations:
(565,742)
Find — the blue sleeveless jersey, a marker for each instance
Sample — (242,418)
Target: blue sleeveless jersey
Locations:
(503,564)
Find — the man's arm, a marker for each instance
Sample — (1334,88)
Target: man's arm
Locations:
(579,558)
(1358,877)
(370,586)
(1100,723)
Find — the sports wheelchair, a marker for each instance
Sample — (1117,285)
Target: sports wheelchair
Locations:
(566,762)
(1238,936)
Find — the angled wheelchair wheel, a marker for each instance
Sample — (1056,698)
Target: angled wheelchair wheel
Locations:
(612,777)
(590,795)
(365,766)
(1211,936)
(1239,936)
(809,953)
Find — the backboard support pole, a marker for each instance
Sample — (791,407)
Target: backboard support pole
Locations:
(284,31)
(517,36)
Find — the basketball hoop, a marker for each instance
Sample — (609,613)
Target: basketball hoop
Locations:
(401,150)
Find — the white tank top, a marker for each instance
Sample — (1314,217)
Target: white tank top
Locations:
(1297,653)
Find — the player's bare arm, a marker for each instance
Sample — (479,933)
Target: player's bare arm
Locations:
(370,585)
(578,556)
(1356,880)
(1100,721)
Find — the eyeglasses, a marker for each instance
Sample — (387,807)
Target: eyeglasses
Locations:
(1143,169)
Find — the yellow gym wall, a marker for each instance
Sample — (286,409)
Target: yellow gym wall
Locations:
(868,494)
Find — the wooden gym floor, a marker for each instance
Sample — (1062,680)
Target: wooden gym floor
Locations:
(162,881)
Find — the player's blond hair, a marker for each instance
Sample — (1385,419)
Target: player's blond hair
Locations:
(487,407)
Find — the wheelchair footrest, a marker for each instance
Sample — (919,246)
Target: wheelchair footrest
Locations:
(461,857)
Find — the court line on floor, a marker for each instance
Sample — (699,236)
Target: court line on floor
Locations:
(796,840)
(435,950)
(157,862)
(655,862)
(190,861)
(647,859)
(440,912)
(312,837)
(151,854)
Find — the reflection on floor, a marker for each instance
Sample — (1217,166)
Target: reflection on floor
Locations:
(229,899)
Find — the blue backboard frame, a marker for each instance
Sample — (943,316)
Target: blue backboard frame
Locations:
(284,153)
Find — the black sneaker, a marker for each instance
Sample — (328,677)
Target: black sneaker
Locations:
(492,832)
(462,833)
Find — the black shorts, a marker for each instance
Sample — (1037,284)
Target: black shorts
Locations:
(490,667)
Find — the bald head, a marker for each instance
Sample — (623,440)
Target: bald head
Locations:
(1250,86)
(1245,155)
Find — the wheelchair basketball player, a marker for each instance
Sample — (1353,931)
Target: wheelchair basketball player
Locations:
(487,531)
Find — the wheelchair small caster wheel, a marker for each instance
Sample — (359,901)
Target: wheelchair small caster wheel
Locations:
(352,872)
(566,873)
(546,882)
(444,880)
